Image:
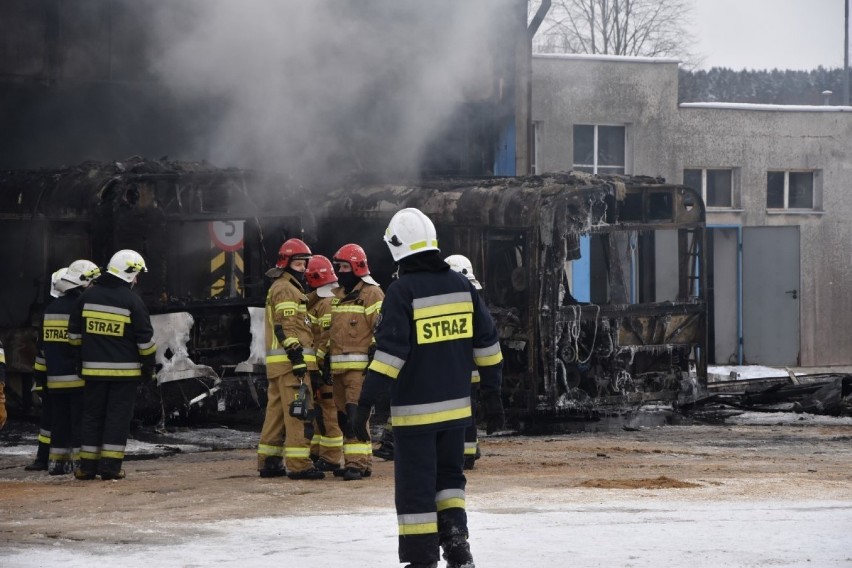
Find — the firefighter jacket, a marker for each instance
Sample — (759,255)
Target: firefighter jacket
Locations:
(353,322)
(319,312)
(433,324)
(56,354)
(287,306)
(113,329)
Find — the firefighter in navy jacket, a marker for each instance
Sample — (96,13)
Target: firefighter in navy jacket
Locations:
(433,328)
(64,385)
(113,329)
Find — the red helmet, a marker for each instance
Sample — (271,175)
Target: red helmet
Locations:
(320,272)
(356,257)
(292,249)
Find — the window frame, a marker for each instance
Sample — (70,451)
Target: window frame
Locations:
(734,195)
(595,166)
(786,204)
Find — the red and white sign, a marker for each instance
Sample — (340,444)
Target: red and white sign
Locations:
(227,235)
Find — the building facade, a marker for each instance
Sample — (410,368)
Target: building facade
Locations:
(775,180)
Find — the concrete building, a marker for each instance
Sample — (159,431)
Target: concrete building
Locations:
(776,181)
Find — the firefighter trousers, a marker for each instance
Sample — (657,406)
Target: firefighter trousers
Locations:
(107,411)
(283,435)
(45,428)
(471,438)
(429,491)
(327,443)
(67,420)
(347,390)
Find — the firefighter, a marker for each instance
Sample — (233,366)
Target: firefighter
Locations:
(64,384)
(112,327)
(42,459)
(327,443)
(287,428)
(434,326)
(3,414)
(463,266)
(354,314)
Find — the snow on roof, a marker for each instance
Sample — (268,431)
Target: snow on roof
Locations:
(765,107)
(601,57)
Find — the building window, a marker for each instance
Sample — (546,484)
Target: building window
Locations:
(599,149)
(789,190)
(716,185)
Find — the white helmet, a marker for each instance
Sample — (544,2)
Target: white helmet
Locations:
(462,265)
(54,280)
(126,264)
(79,273)
(410,232)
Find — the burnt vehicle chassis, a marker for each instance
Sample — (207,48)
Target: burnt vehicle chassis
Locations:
(167,211)
(639,338)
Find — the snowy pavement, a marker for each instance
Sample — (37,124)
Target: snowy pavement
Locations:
(619,534)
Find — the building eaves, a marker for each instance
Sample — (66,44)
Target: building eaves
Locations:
(600,57)
(765,107)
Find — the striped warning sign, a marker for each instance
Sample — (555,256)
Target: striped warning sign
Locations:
(226,259)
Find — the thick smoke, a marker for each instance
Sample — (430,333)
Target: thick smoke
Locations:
(326,87)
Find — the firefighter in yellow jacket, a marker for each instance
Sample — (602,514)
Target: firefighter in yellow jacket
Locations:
(287,428)
(354,315)
(327,443)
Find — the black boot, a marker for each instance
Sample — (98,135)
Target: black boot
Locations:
(273,466)
(110,468)
(457,552)
(311,473)
(42,459)
(323,465)
(37,465)
(60,467)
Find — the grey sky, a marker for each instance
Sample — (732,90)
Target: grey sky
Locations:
(765,34)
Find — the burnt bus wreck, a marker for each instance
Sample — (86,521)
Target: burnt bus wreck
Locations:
(635,334)
(207,234)
(595,282)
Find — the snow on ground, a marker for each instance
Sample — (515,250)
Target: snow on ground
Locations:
(739,372)
(774,418)
(607,535)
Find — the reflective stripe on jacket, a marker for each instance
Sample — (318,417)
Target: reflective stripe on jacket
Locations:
(433,326)
(59,356)
(353,322)
(112,326)
(286,305)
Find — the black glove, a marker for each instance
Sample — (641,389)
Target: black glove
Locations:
(150,370)
(492,407)
(316,381)
(360,418)
(300,369)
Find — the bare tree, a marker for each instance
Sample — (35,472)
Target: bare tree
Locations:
(651,28)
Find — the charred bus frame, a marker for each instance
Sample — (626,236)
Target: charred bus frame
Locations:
(639,337)
(168,211)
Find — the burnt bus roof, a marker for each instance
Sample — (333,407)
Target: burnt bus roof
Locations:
(523,202)
(178,188)
(50,217)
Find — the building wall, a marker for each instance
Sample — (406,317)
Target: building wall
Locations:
(664,138)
